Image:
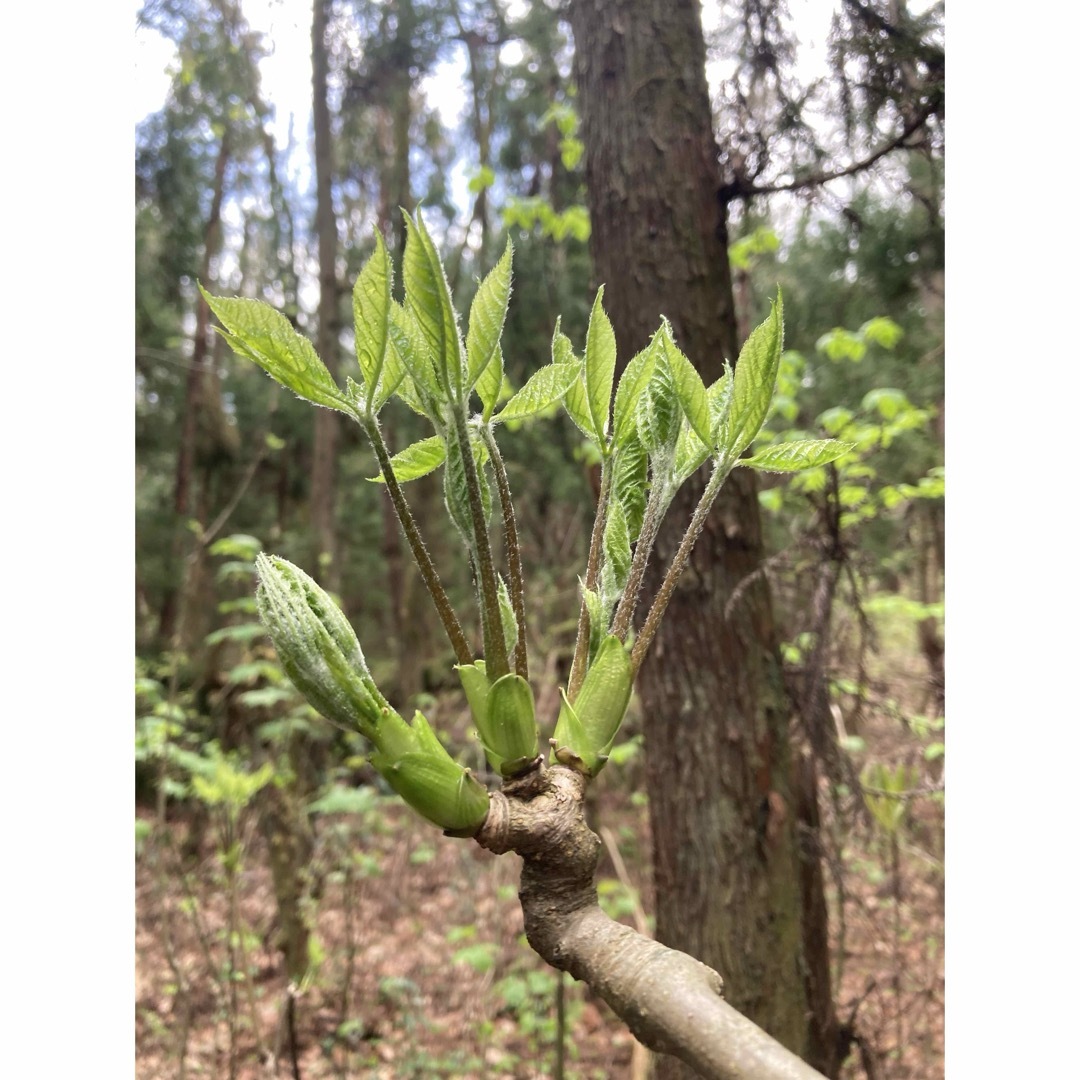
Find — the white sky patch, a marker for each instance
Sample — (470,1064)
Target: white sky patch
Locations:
(511,53)
(154,55)
(444,89)
(285,74)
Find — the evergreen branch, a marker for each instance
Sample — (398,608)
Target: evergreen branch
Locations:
(678,563)
(491,620)
(596,543)
(416,545)
(513,551)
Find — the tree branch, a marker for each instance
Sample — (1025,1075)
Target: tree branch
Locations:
(671,1002)
(741,189)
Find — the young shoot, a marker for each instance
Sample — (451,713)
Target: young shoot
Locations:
(652,428)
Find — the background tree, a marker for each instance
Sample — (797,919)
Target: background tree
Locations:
(720,765)
(719,760)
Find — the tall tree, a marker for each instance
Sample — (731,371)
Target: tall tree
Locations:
(716,721)
(324,454)
(192,157)
(722,799)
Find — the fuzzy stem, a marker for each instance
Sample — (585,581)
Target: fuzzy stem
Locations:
(513,551)
(659,501)
(596,542)
(494,645)
(678,564)
(416,545)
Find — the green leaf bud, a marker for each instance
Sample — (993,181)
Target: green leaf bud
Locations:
(588,727)
(317,646)
(570,744)
(509,727)
(437,788)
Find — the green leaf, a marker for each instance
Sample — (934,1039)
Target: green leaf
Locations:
(509,619)
(617,552)
(659,414)
(572,746)
(259,333)
(490,384)
(796,456)
(456,488)
(427,296)
(599,369)
(755,379)
(841,344)
(544,388)
(881,331)
(688,386)
(414,461)
(834,420)
(371,316)
(605,694)
(575,400)
(629,482)
(760,242)
(486,317)
(632,384)
(484,178)
(423,392)
(886,401)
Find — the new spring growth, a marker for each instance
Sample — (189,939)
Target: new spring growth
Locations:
(587,728)
(321,654)
(505,716)
(652,427)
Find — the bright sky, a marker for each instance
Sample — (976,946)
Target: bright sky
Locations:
(286,74)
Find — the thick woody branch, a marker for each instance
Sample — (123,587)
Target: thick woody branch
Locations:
(670,1001)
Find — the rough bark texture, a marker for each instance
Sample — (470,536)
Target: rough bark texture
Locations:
(670,1001)
(718,760)
(324,452)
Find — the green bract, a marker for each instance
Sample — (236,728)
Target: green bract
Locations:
(587,728)
(505,716)
(439,789)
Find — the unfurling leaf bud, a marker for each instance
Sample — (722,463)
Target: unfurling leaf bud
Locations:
(585,730)
(437,788)
(317,647)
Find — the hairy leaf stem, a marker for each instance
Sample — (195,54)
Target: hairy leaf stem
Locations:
(416,545)
(491,621)
(721,469)
(596,543)
(658,502)
(513,551)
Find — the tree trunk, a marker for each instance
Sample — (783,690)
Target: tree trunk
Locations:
(194,394)
(716,728)
(324,451)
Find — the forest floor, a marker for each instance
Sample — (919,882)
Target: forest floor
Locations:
(422,966)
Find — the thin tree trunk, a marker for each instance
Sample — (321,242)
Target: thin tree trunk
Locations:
(718,758)
(324,451)
(194,393)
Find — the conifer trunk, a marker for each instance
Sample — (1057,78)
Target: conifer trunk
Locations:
(727,869)
(324,452)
